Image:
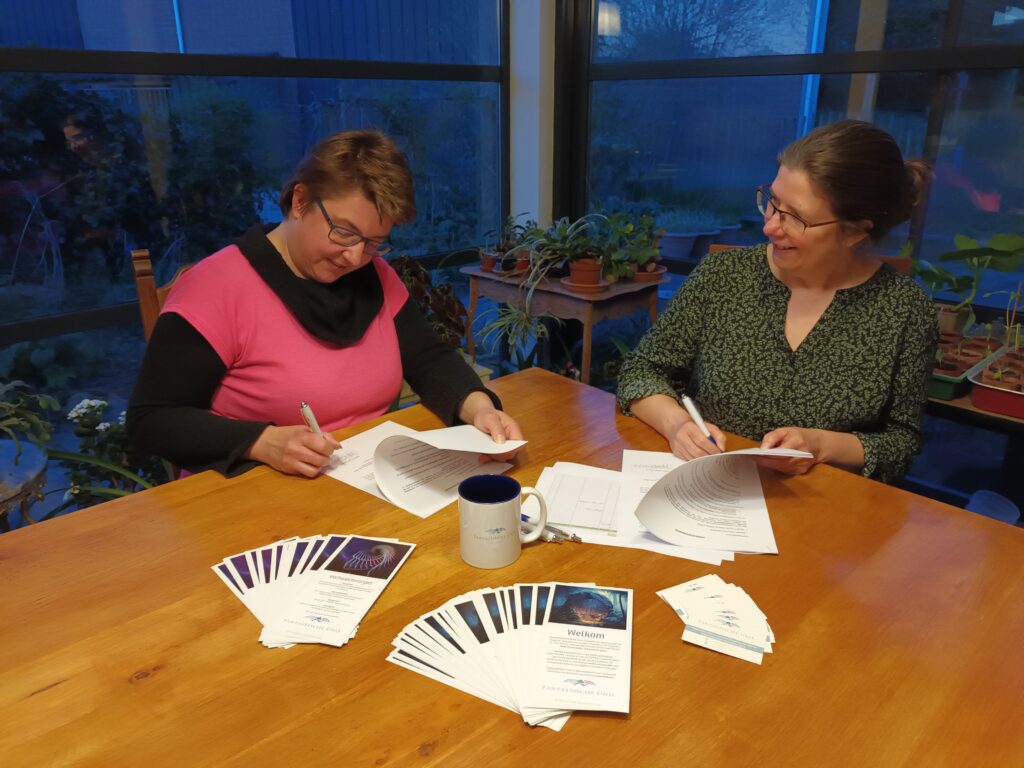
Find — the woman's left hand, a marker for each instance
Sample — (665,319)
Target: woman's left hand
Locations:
(797,438)
(478,410)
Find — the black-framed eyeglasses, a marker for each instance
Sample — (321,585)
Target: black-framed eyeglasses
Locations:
(788,220)
(346,238)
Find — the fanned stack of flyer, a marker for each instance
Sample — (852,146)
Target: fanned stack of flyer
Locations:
(312,590)
(721,617)
(542,650)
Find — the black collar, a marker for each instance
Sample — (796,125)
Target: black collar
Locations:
(338,313)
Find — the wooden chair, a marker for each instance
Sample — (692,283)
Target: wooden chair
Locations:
(151,296)
(716,247)
(902,264)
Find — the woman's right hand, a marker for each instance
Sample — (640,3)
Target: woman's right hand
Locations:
(293,450)
(688,442)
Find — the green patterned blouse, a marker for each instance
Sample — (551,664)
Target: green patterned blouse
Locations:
(863,368)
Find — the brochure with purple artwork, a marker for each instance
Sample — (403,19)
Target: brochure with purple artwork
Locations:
(312,590)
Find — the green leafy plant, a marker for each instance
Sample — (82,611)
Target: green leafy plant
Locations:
(1003,253)
(438,303)
(107,465)
(628,239)
(520,330)
(23,415)
(514,235)
(561,243)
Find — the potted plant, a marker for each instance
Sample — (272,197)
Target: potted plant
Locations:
(511,249)
(569,244)
(631,245)
(518,331)
(1003,253)
(687,233)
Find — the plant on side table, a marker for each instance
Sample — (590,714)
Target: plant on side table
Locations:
(511,251)
(1000,387)
(571,244)
(1003,253)
(631,245)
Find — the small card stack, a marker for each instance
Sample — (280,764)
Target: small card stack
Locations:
(312,590)
(542,650)
(721,617)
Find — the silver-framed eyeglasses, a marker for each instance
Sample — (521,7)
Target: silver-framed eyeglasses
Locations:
(789,221)
(346,238)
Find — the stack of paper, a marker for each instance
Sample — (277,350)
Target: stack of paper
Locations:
(542,650)
(706,509)
(417,471)
(721,617)
(313,590)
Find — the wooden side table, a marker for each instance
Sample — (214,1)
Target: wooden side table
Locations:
(621,299)
(21,484)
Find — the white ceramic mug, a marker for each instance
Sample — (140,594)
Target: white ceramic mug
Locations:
(490,507)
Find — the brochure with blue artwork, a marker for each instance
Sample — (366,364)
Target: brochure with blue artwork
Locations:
(497,644)
(312,590)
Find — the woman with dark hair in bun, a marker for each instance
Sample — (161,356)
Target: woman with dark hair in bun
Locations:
(809,341)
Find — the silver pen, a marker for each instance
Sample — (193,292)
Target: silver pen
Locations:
(309,418)
(564,534)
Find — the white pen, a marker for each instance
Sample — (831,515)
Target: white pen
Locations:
(309,418)
(691,409)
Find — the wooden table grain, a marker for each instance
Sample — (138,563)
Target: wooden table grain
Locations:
(898,622)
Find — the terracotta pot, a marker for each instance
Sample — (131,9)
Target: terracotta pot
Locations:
(522,264)
(585,272)
(487,262)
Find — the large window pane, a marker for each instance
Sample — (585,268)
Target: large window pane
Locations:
(978,189)
(712,140)
(425,31)
(182,165)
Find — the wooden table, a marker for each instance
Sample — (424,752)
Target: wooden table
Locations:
(898,622)
(550,296)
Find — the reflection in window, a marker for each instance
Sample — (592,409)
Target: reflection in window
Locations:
(95,166)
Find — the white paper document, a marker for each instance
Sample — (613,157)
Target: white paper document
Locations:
(417,471)
(713,502)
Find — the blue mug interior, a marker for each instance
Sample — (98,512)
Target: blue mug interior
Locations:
(489,489)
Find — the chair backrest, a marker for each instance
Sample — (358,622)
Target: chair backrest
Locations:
(151,296)
(716,247)
(902,264)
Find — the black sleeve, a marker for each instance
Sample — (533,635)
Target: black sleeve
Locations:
(168,413)
(435,371)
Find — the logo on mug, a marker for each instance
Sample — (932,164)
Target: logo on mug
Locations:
(494,530)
